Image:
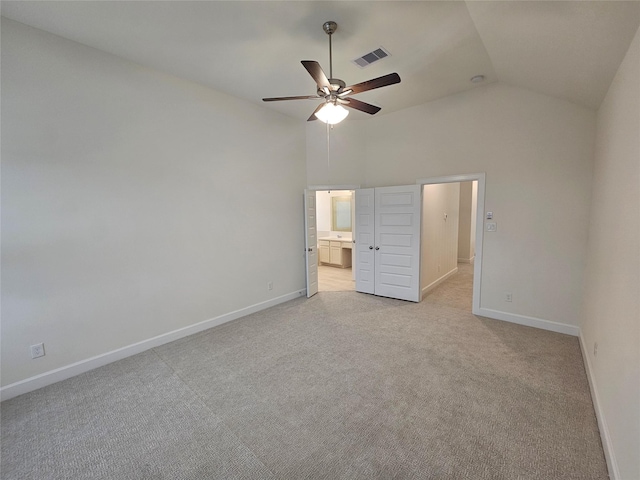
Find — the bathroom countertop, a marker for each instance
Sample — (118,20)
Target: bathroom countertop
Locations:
(336,239)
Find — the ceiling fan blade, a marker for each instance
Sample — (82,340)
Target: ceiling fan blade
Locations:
(313,115)
(383,81)
(315,70)
(362,106)
(302,97)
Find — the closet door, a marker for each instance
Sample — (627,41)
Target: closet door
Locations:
(388,241)
(397,242)
(364,222)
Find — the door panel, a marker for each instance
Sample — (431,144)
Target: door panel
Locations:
(395,260)
(364,221)
(396,239)
(397,242)
(388,241)
(395,281)
(396,220)
(311,242)
(354,231)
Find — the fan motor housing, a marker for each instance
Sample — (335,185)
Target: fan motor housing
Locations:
(336,84)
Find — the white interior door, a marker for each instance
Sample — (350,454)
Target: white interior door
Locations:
(397,242)
(311,242)
(365,230)
(354,231)
(388,241)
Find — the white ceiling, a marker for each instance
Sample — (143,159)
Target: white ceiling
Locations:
(251,50)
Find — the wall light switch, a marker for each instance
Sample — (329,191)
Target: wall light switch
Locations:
(489,215)
(37,350)
(491,226)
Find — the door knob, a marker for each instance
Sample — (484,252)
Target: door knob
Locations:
(377,248)
(370,247)
(309,249)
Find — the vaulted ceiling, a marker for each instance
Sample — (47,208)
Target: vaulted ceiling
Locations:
(566,49)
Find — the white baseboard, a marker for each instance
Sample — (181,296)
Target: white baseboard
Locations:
(68,371)
(605,436)
(434,284)
(466,260)
(529,321)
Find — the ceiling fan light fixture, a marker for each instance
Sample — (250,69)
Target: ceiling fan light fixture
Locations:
(335,91)
(332,113)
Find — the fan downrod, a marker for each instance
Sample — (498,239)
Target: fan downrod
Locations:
(336,84)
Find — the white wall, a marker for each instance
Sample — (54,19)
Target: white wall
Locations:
(612,289)
(466,223)
(439,237)
(537,154)
(131,201)
(323,213)
(336,156)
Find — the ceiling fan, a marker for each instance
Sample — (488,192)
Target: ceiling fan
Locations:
(334,91)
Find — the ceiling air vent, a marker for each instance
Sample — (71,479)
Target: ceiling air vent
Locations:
(371,57)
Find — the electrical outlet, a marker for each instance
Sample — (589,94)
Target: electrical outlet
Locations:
(508,297)
(269,285)
(595,349)
(491,226)
(37,350)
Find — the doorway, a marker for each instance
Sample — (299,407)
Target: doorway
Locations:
(475,264)
(451,266)
(334,226)
(448,243)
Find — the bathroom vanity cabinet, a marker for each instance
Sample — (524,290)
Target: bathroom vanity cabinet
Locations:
(335,252)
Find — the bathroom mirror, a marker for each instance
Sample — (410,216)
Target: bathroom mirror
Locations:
(341,214)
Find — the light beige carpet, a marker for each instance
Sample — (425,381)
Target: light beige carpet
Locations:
(456,291)
(340,386)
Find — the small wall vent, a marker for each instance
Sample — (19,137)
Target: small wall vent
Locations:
(371,57)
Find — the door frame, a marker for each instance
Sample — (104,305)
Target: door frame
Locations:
(321,188)
(477,262)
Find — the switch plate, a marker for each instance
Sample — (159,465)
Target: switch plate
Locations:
(37,350)
(491,226)
(489,215)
